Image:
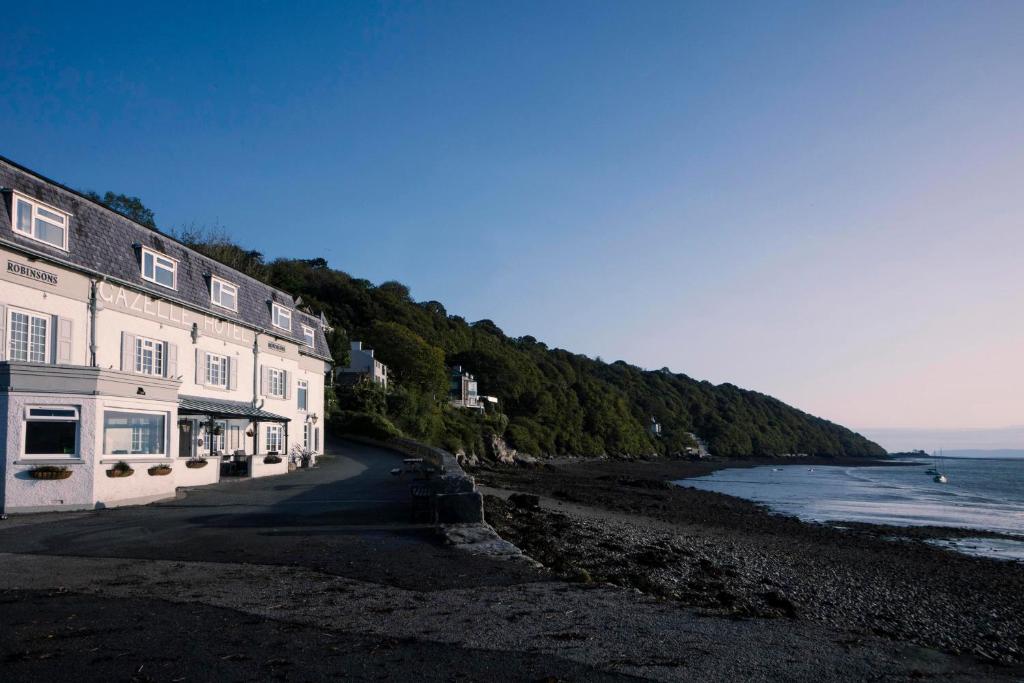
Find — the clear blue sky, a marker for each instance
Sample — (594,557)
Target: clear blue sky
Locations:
(821,201)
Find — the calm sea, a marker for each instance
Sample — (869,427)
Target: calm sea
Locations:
(982,493)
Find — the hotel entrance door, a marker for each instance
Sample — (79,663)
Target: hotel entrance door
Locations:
(186,438)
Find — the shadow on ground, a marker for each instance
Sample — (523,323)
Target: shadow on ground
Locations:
(349,517)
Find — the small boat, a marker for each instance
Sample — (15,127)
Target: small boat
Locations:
(931,470)
(940,479)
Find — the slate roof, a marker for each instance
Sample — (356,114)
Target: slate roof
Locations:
(218,408)
(103,241)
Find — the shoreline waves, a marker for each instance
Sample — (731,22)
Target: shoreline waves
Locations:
(984,496)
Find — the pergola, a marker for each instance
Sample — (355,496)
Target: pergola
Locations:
(219,409)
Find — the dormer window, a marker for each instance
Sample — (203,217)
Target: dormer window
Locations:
(281,317)
(223,293)
(40,222)
(308,336)
(159,269)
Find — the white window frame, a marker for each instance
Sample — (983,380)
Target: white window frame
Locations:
(224,369)
(307,434)
(36,206)
(173,267)
(278,432)
(219,442)
(308,336)
(300,387)
(77,419)
(159,350)
(275,377)
(47,348)
(165,444)
(221,284)
(278,311)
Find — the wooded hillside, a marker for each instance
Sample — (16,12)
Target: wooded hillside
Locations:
(551,401)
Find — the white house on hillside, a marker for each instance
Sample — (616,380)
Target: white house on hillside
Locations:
(362,362)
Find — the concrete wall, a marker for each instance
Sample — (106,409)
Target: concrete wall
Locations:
(262,469)
(24,494)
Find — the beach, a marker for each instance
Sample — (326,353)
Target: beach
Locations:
(626,524)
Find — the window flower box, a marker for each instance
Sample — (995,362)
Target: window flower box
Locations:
(121,469)
(195,463)
(272,459)
(50,472)
(159,470)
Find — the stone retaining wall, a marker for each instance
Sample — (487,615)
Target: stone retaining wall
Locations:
(454,497)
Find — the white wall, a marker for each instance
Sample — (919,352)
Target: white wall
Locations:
(27,494)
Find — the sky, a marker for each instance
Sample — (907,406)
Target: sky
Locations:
(819,201)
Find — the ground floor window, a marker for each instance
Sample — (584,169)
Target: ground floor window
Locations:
(218,439)
(275,439)
(306,429)
(51,431)
(133,433)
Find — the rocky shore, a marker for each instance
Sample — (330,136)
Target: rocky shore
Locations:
(625,524)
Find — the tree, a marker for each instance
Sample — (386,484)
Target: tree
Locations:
(127,206)
(410,359)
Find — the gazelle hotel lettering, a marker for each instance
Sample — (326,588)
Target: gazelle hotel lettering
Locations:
(119,297)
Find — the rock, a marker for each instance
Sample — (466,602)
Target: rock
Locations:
(780,602)
(500,451)
(524,460)
(466,459)
(524,501)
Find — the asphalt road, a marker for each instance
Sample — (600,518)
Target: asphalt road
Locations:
(348,517)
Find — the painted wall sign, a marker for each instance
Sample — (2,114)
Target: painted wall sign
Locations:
(276,347)
(144,306)
(31,273)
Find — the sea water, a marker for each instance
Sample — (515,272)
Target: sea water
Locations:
(982,493)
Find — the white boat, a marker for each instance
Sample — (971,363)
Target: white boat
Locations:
(940,479)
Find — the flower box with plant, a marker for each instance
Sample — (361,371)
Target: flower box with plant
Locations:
(159,470)
(195,463)
(121,469)
(50,472)
(272,459)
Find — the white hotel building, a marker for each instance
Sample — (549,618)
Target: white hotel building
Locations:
(120,344)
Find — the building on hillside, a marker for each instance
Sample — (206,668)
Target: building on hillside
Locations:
(654,428)
(700,451)
(362,364)
(463,390)
(119,343)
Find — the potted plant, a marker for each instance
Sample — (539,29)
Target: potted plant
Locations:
(159,470)
(50,472)
(195,463)
(121,469)
(272,459)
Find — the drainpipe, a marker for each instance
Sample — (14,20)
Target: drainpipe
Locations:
(255,369)
(94,307)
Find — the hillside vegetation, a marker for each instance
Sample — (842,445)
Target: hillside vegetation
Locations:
(552,401)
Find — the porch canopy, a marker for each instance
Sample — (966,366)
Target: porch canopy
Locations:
(219,409)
